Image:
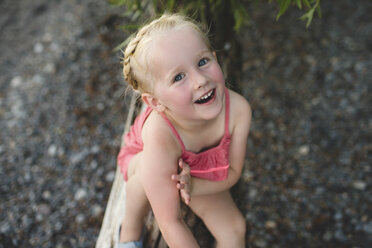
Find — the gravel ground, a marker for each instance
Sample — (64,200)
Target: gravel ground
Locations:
(308,178)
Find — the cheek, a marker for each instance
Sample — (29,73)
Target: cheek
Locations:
(175,97)
(217,74)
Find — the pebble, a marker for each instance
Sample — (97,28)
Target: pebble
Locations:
(368,228)
(50,68)
(303,150)
(80,194)
(44,209)
(248,175)
(327,236)
(38,48)
(47,195)
(97,210)
(359,185)
(16,82)
(52,150)
(260,243)
(270,224)
(80,218)
(252,193)
(110,176)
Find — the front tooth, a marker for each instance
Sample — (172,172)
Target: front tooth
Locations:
(206,96)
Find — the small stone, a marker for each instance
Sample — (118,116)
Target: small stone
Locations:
(359,185)
(80,218)
(27,177)
(78,157)
(50,68)
(339,235)
(248,176)
(110,176)
(100,106)
(80,194)
(338,216)
(368,228)
(96,210)
(16,82)
(95,149)
(52,150)
(93,164)
(252,193)
(303,150)
(38,48)
(327,236)
(5,227)
(47,195)
(260,243)
(270,224)
(44,209)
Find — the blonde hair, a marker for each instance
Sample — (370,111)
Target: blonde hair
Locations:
(135,66)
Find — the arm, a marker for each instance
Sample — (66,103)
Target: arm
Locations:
(241,119)
(158,162)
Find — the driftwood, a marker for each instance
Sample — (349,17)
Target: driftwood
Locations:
(115,210)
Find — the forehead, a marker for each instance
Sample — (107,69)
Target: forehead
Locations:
(173,47)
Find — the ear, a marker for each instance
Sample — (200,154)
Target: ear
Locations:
(152,102)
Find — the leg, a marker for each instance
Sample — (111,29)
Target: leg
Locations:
(137,205)
(222,217)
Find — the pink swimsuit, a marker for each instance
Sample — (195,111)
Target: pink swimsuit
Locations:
(211,164)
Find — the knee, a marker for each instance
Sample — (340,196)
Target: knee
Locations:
(233,232)
(238,227)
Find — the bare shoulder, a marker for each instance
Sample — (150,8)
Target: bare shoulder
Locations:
(159,144)
(241,113)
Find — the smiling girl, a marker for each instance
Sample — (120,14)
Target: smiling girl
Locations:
(192,121)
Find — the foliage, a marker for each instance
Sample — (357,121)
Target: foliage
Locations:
(136,8)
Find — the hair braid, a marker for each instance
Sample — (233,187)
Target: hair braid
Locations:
(128,53)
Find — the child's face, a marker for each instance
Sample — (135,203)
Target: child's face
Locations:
(188,80)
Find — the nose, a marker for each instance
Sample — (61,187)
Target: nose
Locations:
(199,80)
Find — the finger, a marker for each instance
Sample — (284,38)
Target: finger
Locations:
(184,179)
(175,177)
(187,199)
(185,167)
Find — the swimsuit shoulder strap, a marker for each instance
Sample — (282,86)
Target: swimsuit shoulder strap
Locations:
(227,110)
(173,130)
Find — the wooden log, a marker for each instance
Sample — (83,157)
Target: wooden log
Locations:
(115,209)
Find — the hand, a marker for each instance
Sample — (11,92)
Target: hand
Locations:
(183,181)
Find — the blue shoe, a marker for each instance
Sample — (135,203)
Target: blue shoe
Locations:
(131,244)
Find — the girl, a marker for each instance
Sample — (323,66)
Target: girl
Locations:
(192,121)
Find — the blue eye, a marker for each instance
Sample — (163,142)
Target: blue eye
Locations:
(179,77)
(202,62)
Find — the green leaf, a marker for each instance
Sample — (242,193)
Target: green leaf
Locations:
(299,4)
(306,2)
(284,4)
(309,15)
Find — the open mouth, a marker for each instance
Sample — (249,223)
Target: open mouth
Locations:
(206,98)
